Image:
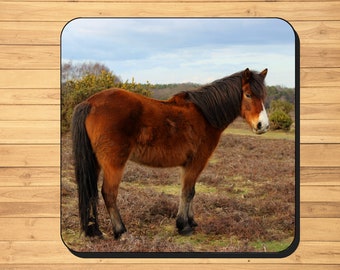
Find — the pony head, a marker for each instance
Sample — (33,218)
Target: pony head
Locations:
(252,105)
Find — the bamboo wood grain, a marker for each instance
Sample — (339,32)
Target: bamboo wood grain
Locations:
(31,229)
(45,11)
(29,155)
(319,77)
(30,57)
(29,132)
(29,209)
(192,267)
(29,112)
(320,131)
(33,79)
(320,194)
(29,194)
(319,176)
(320,55)
(147,266)
(29,176)
(26,96)
(318,94)
(321,155)
(193,1)
(54,252)
(30,33)
(330,111)
(317,32)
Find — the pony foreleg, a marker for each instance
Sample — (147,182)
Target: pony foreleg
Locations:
(110,192)
(117,223)
(185,217)
(191,220)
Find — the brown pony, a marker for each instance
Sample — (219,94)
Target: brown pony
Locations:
(115,125)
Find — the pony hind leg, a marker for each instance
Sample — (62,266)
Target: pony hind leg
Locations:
(92,228)
(112,178)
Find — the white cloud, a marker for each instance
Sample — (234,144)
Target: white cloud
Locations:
(173,50)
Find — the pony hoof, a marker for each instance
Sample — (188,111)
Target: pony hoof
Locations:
(93,231)
(193,223)
(186,231)
(118,234)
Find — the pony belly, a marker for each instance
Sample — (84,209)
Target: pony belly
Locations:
(158,156)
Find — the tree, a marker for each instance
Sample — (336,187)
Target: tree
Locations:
(94,78)
(71,71)
(279,93)
(77,90)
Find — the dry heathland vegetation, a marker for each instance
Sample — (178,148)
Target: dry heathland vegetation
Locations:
(245,201)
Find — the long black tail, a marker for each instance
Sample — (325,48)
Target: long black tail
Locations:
(86,169)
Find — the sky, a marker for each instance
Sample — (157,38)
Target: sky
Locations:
(183,50)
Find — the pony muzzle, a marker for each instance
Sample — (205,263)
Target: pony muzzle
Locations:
(262,124)
(260,129)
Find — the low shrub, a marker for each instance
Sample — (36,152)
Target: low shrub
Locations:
(280,120)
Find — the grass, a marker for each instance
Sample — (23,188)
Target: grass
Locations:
(197,241)
(173,189)
(275,135)
(239,127)
(204,242)
(273,246)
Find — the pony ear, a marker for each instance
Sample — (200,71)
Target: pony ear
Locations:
(264,73)
(246,75)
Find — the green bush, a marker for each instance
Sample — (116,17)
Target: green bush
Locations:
(280,114)
(142,89)
(77,90)
(280,120)
(281,105)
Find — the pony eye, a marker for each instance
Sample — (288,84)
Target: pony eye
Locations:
(248,95)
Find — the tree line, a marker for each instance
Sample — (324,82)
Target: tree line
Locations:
(81,80)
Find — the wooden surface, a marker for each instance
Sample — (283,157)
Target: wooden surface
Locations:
(29,129)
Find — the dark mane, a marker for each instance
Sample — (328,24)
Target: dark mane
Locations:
(220,101)
(258,86)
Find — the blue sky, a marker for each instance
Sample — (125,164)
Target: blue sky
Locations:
(183,50)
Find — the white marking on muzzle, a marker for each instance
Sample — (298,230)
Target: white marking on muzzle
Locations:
(263,122)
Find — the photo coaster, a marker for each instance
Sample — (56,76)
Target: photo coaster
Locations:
(194,150)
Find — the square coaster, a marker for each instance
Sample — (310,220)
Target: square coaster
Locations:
(180,137)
